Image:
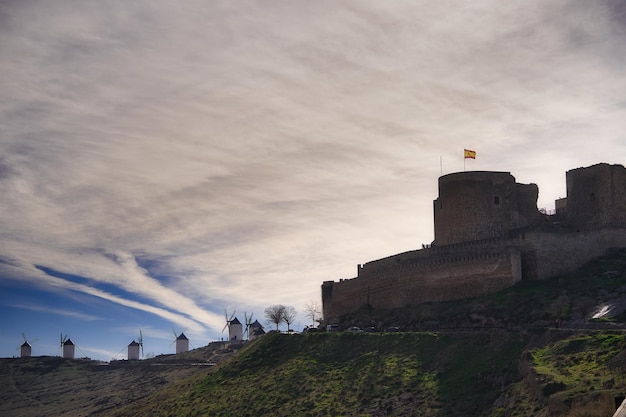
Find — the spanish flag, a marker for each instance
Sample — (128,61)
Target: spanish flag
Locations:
(469,154)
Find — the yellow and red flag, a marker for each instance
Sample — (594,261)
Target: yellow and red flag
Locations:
(469,154)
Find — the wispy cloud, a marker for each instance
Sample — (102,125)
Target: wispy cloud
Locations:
(58,311)
(38,277)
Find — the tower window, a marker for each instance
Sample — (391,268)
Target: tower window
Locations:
(496,199)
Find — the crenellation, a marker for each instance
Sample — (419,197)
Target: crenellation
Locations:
(489,235)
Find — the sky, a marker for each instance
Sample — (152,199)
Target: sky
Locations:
(162,161)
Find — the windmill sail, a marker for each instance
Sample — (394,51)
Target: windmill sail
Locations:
(229,319)
(248,320)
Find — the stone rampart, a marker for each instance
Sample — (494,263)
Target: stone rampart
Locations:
(561,252)
(432,256)
(418,277)
(467,269)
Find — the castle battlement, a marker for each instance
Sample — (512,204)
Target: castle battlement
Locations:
(489,235)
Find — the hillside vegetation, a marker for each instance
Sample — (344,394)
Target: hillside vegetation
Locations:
(349,374)
(496,356)
(404,374)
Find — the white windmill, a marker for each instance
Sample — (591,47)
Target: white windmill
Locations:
(182,342)
(235,329)
(26,347)
(255,330)
(133,348)
(67,347)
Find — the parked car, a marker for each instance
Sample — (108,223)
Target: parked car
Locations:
(370,329)
(354,329)
(332,327)
(392,329)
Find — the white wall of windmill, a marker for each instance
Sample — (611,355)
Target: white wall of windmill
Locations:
(25,350)
(133,351)
(255,332)
(182,345)
(68,350)
(235,332)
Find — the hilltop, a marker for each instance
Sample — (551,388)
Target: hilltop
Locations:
(493,356)
(45,385)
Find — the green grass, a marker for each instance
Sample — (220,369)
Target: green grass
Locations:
(348,374)
(579,364)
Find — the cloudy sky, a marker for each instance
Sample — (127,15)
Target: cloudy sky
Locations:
(162,161)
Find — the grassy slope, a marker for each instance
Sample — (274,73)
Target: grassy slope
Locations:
(350,374)
(405,374)
(584,370)
(574,373)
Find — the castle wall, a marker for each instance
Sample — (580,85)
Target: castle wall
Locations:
(560,206)
(559,253)
(427,275)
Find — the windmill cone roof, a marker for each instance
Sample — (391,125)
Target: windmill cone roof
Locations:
(182,337)
(235,321)
(68,342)
(256,324)
(25,344)
(133,343)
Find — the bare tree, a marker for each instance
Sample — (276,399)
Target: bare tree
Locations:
(561,306)
(313,311)
(584,306)
(276,314)
(289,315)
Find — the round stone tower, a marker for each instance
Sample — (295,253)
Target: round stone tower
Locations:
(480,205)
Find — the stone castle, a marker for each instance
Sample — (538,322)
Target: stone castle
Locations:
(489,235)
